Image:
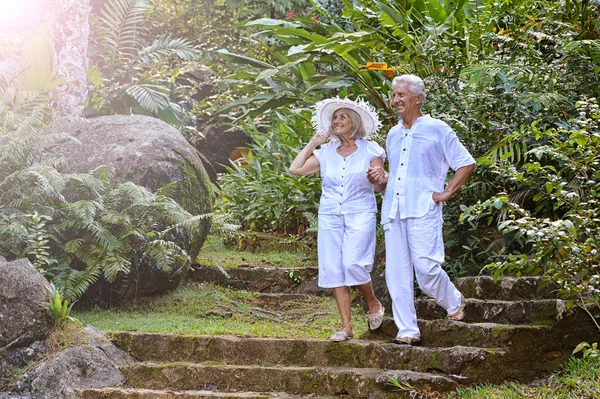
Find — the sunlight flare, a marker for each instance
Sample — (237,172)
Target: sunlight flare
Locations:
(11,10)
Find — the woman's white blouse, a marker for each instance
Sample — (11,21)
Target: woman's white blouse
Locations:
(344,180)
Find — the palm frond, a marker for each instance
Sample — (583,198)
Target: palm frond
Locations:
(537,101)
(164,46)
(507,151)
(120,28)
(149,96)
(481,74)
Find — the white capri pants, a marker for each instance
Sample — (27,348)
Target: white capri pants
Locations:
(417,243)
(346,246)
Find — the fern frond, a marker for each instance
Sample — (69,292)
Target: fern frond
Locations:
(163,253)
(85,210)
(168,190)
(104,237)
(313,222)
(74,283)
(116,218)
(74,245)
(220,225)
(193,223)
(129,193)
(113,265)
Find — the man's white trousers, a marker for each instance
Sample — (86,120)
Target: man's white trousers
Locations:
(417,244)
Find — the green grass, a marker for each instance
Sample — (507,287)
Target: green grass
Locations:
(215,253)
(578,379)
(187,309)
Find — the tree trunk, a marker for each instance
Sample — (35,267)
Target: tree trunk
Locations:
(71,35)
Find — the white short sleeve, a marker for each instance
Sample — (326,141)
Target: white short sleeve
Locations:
(374,150)
(319,151)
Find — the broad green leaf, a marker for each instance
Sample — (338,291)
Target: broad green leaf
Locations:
(242,59)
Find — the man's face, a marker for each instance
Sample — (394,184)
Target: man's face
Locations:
(404,101)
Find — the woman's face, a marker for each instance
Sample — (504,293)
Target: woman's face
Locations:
(341,123)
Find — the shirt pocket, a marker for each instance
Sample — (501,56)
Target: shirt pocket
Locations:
(427,157)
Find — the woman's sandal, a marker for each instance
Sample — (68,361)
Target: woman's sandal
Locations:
(460,315)
(375,320)
(341,336)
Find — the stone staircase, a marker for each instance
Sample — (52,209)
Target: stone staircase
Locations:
(515,330)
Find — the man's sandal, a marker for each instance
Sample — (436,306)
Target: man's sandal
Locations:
(460,315)
(407,341)
(341,336)
(375,320)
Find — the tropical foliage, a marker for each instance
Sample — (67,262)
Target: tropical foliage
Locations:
(76,228)
(496,71)
(26,81)
(271,199)
(120,77)
(548,211)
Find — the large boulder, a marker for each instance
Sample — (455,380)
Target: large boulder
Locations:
(221,144)
(199,76)
(151,153)
(92,362)
(24,323)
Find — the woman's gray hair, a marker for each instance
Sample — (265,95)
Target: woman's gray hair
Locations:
(415,85)
(358,128)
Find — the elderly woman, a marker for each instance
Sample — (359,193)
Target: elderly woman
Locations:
(347,209)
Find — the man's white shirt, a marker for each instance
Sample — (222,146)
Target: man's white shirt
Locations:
(419,160)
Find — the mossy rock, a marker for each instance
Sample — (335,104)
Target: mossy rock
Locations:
(150,153)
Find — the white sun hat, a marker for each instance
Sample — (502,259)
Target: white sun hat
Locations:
(324,110)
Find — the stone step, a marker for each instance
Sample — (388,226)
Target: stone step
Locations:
(470,362)
(132,393)
(278,280)
(541,311)
(328,381)
(506,288)
(446,333)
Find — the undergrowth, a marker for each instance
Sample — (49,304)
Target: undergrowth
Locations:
(214,310)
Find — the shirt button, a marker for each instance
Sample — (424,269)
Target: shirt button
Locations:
(401,164)
(398,178)
(404,149)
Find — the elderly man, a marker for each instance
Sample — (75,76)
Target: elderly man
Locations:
(421,149)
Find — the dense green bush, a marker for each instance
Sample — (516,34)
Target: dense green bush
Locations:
(259,191)
(548,214)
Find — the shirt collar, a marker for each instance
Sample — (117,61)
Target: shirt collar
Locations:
(419,120)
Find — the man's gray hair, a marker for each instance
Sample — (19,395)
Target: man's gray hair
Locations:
(415,84)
